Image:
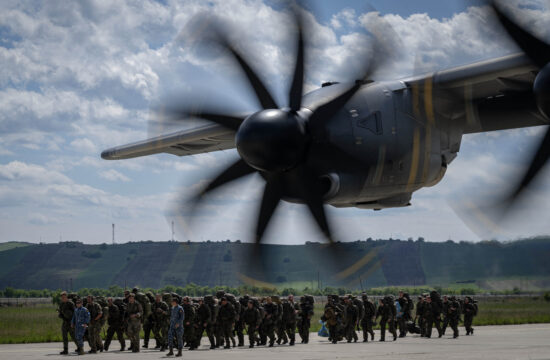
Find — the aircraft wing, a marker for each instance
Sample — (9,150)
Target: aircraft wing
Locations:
(198,140)
(495,94)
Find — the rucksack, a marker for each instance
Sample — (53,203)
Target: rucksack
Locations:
(411,304)
(360,308)
(475,308)
(310,299)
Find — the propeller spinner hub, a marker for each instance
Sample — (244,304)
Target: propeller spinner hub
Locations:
(272,140)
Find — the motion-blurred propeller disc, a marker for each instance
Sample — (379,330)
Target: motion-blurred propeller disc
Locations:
(539,52)
(277,142)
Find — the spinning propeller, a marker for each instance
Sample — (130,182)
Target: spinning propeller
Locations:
(280,143)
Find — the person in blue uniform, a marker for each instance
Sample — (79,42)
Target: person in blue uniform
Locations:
(177,316)
(79,322)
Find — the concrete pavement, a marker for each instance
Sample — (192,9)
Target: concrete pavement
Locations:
(488,343)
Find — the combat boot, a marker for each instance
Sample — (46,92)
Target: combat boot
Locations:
(179,353)
(64,352)
(170,353)
(80,351)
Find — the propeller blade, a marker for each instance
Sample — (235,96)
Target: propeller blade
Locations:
(273,192)
(539,160)
(313,198)
(379,54)
(296,89)
(263,95)
(537,50)
(326,111)
(237,170)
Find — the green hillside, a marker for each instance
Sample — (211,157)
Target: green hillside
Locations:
(370,263)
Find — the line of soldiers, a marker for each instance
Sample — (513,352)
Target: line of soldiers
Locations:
(182,323)
(344,314)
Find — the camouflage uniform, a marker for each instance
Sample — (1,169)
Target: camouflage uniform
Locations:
(188,325)
(115,322)
(66,311)
(289,320)
(239,324)
(135,312)
(366,322)
(453,315)
(305,314)
(268,323)
(161,322)
(94,329)
(177,316)
(226,321)
(350,320)
(469,313)
(330,316)
(386,311)
(203,316)
(79,322)
(251,317)
(420,314)
(148,323)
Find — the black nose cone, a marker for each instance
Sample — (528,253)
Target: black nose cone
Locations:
(272,140)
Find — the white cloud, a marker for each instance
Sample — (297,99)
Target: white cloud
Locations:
(80,76)
(113,175)
(84,145)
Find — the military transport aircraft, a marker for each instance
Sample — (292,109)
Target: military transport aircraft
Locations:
(367,144)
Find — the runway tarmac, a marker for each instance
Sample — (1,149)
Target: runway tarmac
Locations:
(488,343)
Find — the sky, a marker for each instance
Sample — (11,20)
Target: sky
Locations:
(79,77)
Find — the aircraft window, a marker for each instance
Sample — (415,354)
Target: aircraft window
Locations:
(373,122)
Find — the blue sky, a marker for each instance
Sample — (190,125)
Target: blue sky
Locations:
(79,77)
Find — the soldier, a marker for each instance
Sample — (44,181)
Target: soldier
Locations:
(445,312)
(239,324)
(402,315)
(210,327)
(148,323)
(432,314)
(305,313)
(279,328)
(135,312)
(386,311)
(177,316)
(94,329)
(79,322)
(290,309)
(453,314)
(161,322)
(65,313)
(126,297)
(420,314)
(330,316)
(270,317)
(188,326)
(469,312)
(226,320)
(350,319)
(203,316)
(366,323)
(115,321)
(251,317)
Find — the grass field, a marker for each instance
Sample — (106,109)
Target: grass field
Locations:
(41,324)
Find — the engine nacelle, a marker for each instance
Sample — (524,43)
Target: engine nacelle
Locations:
(541,89)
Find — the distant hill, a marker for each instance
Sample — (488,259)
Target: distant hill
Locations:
(370,263)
